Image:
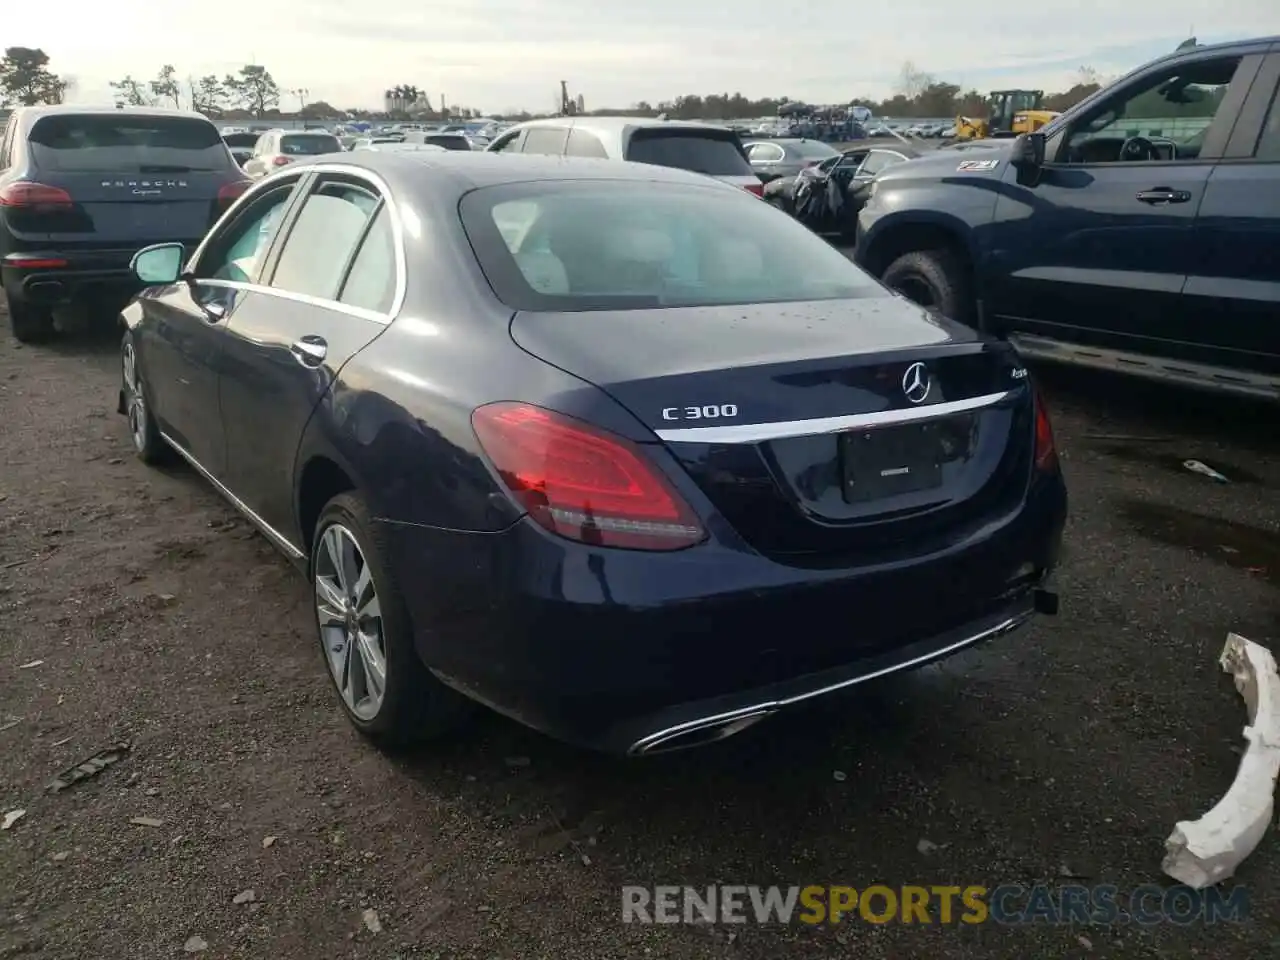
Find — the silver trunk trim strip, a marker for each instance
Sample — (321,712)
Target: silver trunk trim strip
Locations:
(758,432)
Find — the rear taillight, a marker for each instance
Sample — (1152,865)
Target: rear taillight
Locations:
(28,261)
(584,483)
(756,188)
(1046,451)
(25,193)
(229,193)
(280,160)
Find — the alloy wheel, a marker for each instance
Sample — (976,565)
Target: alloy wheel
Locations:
(136,402)
(350,619)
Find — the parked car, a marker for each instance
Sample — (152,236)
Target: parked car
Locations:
(399,146)
(241,144)
(278,148)
(701,147)
(364,143)
(771,159)
(557,448)
(854,171)
(1127,234)
(84,188)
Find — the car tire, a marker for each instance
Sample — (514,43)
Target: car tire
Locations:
(28,322)
(412,705)
(135,404)
(935,279)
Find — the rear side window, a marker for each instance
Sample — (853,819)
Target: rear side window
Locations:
(1269,143)
(583,144)
(702,151)
(323,238)
(127,142)
(583,245)
(309,144)
(371,284)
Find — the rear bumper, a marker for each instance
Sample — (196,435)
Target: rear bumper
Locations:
(611,648)
(61,277)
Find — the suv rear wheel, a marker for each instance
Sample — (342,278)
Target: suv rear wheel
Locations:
(935,279)
(29,323)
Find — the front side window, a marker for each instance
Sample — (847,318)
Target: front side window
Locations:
(324,238)
(1164,117)
(237,253)
(585,245)
(545,140)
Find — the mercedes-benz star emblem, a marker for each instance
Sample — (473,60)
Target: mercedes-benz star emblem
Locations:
(916,383)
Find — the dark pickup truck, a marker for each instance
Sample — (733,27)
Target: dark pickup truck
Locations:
(1138,232)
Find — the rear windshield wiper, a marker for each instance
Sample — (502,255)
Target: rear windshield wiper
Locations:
(168,168)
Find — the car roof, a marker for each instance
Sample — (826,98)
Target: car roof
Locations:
(465,171)
(29,115)
(618,124)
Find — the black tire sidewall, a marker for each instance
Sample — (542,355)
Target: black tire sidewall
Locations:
(937,270)
(28,323)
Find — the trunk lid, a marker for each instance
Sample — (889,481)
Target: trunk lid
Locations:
(794,418)
(133,178)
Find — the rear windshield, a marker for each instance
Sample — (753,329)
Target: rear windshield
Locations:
(606,245)
(701,151)
(241,139)
(309,144)
(127,142)
(448,141)
(814,149)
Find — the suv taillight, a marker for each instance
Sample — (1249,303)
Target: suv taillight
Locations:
(279,160)
(583,483)
(26,193)
(229,193)
(1046,451)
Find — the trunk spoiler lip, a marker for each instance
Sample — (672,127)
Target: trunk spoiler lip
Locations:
(779,430)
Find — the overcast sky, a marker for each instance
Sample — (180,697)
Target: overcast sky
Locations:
(498,55)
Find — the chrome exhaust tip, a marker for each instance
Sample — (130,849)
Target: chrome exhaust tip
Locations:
(695,734)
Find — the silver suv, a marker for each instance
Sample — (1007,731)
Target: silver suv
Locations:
(699,147)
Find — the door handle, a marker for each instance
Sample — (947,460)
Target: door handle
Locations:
(310,351)
(1164,195)
(214,311)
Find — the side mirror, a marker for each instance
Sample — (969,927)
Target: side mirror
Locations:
(158,264)
(1028,151)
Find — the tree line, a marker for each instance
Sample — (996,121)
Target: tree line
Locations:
(253,93)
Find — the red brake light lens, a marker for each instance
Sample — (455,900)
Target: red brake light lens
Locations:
(29,261)
(756,188)
(26,193)
(228,193)
(583,483)
(279,160)
(1046,450)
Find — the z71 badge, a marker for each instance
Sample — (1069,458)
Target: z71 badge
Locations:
(977,166)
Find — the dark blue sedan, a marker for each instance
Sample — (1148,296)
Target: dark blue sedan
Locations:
(617,450)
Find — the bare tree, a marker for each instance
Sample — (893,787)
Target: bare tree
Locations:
(132,93)
(912,82)
(166,87)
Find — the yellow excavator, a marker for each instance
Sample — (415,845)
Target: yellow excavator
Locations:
(1009,113)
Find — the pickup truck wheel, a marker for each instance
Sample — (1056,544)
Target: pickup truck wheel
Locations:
(29,323)
(935,279)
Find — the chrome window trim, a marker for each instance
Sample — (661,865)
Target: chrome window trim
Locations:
(273,180)
(270,532)
(759,432)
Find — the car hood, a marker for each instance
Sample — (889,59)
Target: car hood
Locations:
(948,161)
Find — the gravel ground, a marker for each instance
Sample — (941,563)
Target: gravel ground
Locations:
(140,609)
